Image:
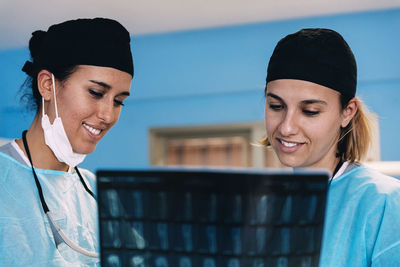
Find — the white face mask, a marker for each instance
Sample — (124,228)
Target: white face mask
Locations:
(56,138)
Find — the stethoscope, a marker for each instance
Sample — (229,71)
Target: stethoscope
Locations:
(59,236)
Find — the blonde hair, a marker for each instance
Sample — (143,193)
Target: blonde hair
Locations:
(355,139)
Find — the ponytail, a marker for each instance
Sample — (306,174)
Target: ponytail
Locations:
(356,138)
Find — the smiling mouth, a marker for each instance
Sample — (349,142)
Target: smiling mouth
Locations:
(289,144)
(92,130)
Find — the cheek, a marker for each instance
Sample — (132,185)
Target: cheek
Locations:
(75,102)
(326,131)
(272,121)
(74,120)
(269,127)
(75,113)
(80,107)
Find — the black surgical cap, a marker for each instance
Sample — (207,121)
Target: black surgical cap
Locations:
(317,55)
(98,42)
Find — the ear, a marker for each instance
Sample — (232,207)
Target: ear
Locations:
(349,111)
(45,84)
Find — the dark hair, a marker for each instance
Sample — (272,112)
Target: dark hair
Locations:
(99,42)
(31,95)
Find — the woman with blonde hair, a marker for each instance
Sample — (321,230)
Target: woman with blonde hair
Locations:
(314,120)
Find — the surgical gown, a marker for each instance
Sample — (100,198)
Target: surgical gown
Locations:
(25,235)
(362,223)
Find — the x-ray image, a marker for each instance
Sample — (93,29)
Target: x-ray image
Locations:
(135,238)
(185,262)
(137,204)
(282,262)
(187,207)
(111,233)
(161,261)
(261,209)
(261,234)
(286,210)
(113,261)
(212,238)
(233,212)
(162,205)
(137,261)
(236,241)
(111,207)
(209,262)
(258,263)
(187,237)
(233,263)
(162,231)
(191,224)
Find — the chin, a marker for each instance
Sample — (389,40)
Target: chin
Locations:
(85,150)
(289,162)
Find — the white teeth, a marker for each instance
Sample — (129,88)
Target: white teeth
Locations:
(92,130)
(288,144)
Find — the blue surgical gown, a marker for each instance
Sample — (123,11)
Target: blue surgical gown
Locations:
(362,223)
(25,235)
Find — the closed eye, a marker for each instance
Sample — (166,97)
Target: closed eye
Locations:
(99,95)
(118,103)
(95,93)
(310,112)
(275,107)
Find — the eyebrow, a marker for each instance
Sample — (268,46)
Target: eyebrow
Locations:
(304,102)
(274,96)
(314,101)
(108,87)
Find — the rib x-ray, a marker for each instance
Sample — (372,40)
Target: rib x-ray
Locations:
(206,219)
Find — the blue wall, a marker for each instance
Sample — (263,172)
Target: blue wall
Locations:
(217,75)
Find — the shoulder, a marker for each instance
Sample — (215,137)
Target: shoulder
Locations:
(383,198)
(10,167)
(367,179)
(364,204)
(16,183)
(366,189)
(377,181)
(377,192)
(5,148)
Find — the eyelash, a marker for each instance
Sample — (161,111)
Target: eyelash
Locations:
(95,93)
(98,95)
(275,107)
(119,103)
(310,113)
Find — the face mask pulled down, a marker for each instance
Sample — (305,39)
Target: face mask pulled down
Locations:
(56,138)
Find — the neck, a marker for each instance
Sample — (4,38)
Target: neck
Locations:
(339,163)
(42,156)
(332,168)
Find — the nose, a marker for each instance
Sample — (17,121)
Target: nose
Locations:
(289,124)
(106,112)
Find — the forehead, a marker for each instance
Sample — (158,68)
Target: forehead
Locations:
(299,90)
(110,76)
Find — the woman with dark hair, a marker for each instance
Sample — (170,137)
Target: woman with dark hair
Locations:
(314,120)
(80,73)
